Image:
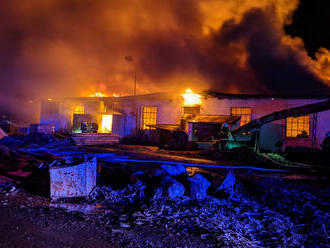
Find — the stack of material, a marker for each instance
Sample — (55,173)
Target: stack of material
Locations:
(95,139)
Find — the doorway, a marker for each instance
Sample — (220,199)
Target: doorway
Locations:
(106,124)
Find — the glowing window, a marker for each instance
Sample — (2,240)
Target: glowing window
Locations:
(106,124)
(297,126)
(149,117)
(244,113)
(79,110)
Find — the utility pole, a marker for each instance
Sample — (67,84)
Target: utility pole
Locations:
(134,79)
(131,60)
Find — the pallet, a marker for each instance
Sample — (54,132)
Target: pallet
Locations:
(88,139)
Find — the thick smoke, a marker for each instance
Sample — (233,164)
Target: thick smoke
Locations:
(53,48)
(278,67)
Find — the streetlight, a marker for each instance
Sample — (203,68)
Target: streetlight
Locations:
(131,60)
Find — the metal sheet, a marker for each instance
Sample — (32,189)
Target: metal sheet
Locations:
(214,119)
(74,180)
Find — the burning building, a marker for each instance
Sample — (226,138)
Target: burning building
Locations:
(200,116)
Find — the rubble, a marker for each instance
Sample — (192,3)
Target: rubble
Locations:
(164,197)
(228,184)
(12,141)
(9,188)
(36,139)
(74,207)
(226,222)
(172,187)
(4,151)
(2,133)
(173,170)
(231,186)
(198,186)
(130,194)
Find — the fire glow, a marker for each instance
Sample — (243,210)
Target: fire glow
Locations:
(97,94)
(191,98)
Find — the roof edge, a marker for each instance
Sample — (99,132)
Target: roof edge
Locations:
(265,96)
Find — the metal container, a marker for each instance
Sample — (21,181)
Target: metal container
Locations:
(73,180)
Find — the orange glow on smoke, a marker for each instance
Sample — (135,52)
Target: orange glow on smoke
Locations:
(191,98)
(173,47)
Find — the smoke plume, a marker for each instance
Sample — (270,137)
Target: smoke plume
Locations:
(53,48)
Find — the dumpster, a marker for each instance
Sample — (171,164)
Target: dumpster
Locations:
(73,180)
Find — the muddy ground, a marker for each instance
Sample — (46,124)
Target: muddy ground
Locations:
(29,221)
(23,226)
(273,209)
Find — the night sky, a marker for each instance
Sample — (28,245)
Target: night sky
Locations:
(74,48)
(311,22)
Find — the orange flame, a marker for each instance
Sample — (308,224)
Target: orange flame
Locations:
(191,98)
(97,94)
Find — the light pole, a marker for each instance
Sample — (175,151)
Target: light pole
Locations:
(130,59)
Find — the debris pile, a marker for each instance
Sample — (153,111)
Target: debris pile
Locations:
(219,210)
(2,133)
(198,187)
(35,139)
(183,203)
(171,187)
(168,182)
(130,194)
(9,188)
(172,170)
(307,206)
(226,222)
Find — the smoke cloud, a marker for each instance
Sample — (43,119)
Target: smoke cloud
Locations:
(53,48)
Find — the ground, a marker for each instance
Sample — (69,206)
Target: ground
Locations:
(27,224)
(272,209)
(44,227)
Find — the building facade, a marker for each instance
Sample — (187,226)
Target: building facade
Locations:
(127,115)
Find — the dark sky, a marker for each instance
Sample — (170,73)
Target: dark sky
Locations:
(311,22)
